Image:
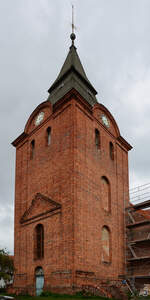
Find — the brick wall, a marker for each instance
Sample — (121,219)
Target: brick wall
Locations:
(68,173)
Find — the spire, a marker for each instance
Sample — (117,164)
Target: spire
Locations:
(72,75)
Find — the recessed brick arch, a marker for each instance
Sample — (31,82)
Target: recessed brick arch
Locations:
(39,241)
(106,193)
(106,244)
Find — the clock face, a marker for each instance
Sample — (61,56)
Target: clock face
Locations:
(105,121)
(39,118)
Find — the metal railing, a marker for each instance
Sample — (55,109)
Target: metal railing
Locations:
(140,193)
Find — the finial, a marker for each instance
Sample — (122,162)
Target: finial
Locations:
(73,36)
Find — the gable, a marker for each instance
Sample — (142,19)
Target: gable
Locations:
(38,116)
(102,114)
(40,206)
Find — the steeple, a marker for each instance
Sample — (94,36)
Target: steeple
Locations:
(72,75)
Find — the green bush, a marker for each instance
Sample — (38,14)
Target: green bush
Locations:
(46,294)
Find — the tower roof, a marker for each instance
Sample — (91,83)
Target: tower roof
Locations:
(72,75)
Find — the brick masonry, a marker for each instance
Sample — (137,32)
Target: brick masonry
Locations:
(61,188)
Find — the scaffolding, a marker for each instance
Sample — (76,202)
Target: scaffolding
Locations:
(138,235)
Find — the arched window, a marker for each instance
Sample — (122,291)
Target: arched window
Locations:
(106,245)
(48,136)
(111,150)
(39,242)
(105,194)
(32,149)
(97,138)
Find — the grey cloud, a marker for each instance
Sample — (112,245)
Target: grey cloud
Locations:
(113,43)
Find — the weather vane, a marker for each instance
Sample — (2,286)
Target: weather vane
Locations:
(73,27)
(73,36)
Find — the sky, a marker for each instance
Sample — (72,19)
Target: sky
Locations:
(113,42)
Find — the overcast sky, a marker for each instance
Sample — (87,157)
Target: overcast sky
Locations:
(113,42)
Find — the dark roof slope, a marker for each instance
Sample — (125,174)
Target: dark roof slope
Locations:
(72,75)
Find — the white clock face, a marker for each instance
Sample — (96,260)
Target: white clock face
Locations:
(105,121)
(39,118)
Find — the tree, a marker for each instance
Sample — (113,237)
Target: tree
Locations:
(6,266)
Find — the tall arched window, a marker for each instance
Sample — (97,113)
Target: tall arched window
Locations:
(32,149)
(48,136)
(39,242)
(111,150)
(106,245)
(105,194)
(97,138)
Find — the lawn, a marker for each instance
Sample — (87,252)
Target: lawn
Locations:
(59,297)
(68,297)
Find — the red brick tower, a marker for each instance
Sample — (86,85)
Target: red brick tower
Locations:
(71,178)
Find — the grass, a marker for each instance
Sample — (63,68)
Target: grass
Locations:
(59,297)
(70,297)
(67,297)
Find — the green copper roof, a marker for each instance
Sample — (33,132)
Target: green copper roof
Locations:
(72,75)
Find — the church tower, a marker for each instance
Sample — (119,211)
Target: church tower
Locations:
(71,182)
